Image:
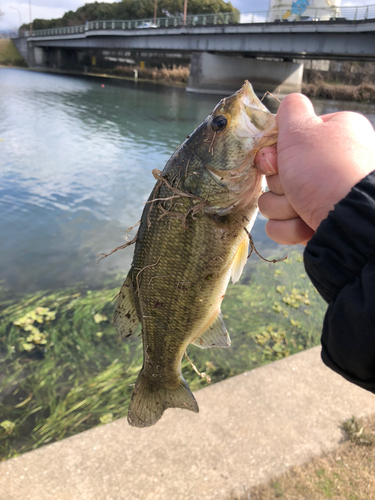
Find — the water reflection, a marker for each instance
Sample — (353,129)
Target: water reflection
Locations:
(75,169)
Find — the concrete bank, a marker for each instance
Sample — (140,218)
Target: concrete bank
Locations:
(250,428)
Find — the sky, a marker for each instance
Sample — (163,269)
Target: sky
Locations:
(49,9)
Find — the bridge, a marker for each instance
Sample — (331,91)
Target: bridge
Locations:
(222,52)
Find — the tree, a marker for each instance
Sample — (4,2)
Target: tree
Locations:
(176,7)
(134,9)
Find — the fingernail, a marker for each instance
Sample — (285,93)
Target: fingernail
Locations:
(270,169)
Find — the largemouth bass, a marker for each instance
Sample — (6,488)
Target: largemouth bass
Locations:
(191,240)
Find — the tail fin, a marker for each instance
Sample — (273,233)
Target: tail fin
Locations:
(149,402)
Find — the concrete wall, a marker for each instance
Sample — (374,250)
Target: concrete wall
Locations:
(217,74)
(21,45)
(33,56)
(39,56)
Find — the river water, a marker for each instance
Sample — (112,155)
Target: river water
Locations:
(76,156)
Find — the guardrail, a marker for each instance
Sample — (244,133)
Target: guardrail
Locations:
(282,15)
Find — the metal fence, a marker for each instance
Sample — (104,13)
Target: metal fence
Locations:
(310,15)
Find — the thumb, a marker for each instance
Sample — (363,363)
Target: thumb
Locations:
(294,109)
(291,116)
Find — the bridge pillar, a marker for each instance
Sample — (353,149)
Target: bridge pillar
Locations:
(39,57)
(36,56)
(48,57)
(216,74)
(33,56)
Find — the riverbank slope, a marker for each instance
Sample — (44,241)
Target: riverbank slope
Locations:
(364,92)
(9,55)
(314,85)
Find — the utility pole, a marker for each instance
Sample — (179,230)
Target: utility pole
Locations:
(185,11)
(30,19)
(155,10)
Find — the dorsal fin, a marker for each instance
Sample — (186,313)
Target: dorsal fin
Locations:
(216,335)
(125,318)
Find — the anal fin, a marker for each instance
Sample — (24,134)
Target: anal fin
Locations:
(216,335)
(125,318)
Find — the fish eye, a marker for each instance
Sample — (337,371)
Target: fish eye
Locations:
(219,123)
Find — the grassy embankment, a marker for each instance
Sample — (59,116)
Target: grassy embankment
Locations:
(64,369)
(363,92)
(176,74)
(330,89)
(9,55)
(344,474)
(348,81)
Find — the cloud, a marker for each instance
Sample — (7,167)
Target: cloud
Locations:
(247,7)
(355,3)
(41,9)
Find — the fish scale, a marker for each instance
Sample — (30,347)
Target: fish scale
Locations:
(190,240)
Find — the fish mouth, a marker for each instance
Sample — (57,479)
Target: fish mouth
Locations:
(249,99)
(255,118)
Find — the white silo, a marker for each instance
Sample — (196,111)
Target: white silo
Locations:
(304,10)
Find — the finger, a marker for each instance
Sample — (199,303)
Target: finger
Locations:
(274,184)
(266,160)
(355,119)
(293,108)
(276,207)
(327,118)
(338,116)
(289,232)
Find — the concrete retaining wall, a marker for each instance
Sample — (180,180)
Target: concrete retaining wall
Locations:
(21,45)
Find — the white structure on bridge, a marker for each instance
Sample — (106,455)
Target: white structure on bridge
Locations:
(308,10)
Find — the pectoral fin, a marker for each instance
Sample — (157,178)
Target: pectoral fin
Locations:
(125,318)
(239,260)
(215,336)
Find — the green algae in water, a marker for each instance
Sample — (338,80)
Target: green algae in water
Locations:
(64,369)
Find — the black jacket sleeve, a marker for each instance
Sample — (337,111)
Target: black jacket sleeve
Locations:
(340,261)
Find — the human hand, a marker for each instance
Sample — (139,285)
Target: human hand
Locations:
(316,163)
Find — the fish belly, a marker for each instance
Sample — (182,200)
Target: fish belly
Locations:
(179,276)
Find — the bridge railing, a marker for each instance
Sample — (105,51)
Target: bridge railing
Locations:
(274,15)
(161,22)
